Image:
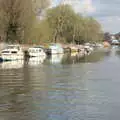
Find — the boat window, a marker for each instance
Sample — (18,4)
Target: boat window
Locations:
(5,51)
(31,50)
(39,50)
(10,47)
(14,52)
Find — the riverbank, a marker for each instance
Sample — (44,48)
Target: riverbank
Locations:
(84,49)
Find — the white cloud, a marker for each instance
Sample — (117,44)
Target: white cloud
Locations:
(88,6)
(110,23)
(82,6)
(107,12)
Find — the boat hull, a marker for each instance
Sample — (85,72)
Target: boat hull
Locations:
(10,57)
(37,54)
(1,60)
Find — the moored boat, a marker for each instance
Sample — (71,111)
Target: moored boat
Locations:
(56,48)
(88,48)
(12,52)
(37,51)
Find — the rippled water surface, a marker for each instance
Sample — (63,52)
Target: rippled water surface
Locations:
(62,87)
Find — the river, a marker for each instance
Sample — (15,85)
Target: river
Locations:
(62,87)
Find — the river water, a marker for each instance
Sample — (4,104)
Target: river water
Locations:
(62,87)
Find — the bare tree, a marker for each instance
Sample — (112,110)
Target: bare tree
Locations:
(15,18)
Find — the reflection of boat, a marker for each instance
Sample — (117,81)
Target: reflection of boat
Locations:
(81,54)
(36,60)
(37,51)
(56,48)
(56,58)
(74,54)
(12,52)
(12,64)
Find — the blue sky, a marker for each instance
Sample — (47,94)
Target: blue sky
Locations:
(107,12)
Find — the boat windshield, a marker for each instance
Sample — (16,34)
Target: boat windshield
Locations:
(12,47)
(39,47)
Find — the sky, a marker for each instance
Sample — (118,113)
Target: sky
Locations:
(107,12)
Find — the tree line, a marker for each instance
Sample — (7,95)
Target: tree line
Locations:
(19,22)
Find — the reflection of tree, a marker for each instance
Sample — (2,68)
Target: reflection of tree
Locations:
(68,59)
(65,89)
(93,57)
(107,53)
(117,53)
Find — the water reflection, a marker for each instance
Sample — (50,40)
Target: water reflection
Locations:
(34,61)
(12,64)
(96,56)
(73,54)
(15,95)
(56,58)
(118,53)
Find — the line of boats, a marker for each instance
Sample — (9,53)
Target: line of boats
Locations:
(16,52)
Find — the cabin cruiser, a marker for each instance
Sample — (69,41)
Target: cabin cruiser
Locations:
(88,47)
(12,52)
(56,48)
(37,51)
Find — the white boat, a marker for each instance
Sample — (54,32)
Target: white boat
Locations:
(12,52)
(56,48)
(99,45)
(88,47)
(37,51)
